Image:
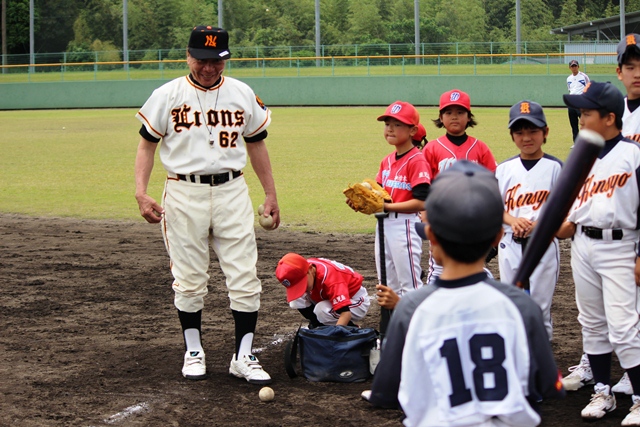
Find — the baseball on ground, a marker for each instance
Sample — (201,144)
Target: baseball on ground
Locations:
(266,394)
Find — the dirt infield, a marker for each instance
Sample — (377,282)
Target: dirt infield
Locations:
(90,336)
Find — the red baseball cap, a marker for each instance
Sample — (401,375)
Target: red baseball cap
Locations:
(292,273)
(455,97)
(420,134)
(402,111)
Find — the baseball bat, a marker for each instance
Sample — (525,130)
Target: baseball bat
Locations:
(385,313)
(587,146)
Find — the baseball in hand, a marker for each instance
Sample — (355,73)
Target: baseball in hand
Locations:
(367,185)
(266,394)
(266,222)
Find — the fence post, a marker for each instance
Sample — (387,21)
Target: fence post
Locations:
(95,66)
(511,63)
(475,68)
(438,64)
(298,66)
(257,56)
(457,57)
(356,55)
(403,65)
(548,70)
(491,52)
(264,67)
(389,54)
(368,70)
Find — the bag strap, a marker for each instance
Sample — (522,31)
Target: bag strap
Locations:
(291,355)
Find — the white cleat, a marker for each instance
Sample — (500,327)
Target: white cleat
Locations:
(623,386)
(633,417)
(248,367)
(579,375)
(602,402)
(194,367)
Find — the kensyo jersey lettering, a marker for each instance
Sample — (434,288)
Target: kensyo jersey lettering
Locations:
(525,191)
(614,179)
(202,127)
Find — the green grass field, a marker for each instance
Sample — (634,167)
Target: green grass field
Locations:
(79,163)
(305,68)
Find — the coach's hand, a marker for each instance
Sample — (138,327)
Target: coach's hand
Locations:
(149,208)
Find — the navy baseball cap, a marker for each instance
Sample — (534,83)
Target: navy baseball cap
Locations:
(529,111)
(598,96)
(464,204)
(630,43)
(573,62)
(208,42)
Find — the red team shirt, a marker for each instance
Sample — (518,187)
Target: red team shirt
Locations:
(442,153)
(335,282)
(400,176)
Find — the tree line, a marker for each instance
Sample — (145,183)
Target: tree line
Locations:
(96,25)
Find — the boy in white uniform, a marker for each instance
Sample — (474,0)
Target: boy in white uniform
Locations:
(525,181)
(604,224)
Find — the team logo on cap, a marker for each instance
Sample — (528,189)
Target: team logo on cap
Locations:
(525,108)
(211,41)
(454,96)
(631,40)
(286,283)
(396,108)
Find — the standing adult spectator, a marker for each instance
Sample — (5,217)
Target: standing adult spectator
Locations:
(208,125)
(576,82)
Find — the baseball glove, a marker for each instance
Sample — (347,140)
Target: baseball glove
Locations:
(367,197)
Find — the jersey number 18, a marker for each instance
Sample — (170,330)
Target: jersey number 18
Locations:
(483,365)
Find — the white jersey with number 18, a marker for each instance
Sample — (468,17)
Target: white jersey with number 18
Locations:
(467,360)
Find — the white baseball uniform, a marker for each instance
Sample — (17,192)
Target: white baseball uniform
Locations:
(631,122)
(203,150)
(603,253)
(475,354)
(403,246)
(525,186)
(577,83)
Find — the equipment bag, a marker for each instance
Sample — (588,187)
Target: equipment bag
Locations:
(331,353)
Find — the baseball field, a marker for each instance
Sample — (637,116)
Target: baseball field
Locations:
(89,333)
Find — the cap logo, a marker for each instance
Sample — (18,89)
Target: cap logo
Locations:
(525,108)
(211,41)
(286,283)
(454,96)
(631,40)
(396,108)
(586,88)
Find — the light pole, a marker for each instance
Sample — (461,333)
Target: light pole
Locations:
(317,33)
(416,12)
(125,35)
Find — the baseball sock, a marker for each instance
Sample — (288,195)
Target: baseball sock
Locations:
(601,367)
(191,324)
(634,378)
(245,324)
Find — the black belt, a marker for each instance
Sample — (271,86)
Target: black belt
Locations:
(212,180)
(596,233)
(521,241)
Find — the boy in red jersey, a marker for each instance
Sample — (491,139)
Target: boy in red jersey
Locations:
(325,292)
(455,116)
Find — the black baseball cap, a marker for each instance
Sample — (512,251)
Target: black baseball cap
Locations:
(573,62)
(631,43)
(529,111)
(208,42)
(464,204)
(597,96)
